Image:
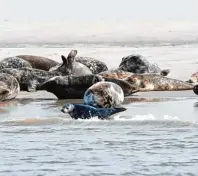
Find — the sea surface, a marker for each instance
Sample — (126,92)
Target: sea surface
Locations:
(158,133)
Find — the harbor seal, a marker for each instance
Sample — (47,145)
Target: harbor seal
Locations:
(94,65)
(127,88)
(14,62)
(136,63)
(155,82)
(69,87)
(104,95)
(70,66)
(115,74)
(79,111)
(29,78)
(39,62)
(194,78)
(9,87)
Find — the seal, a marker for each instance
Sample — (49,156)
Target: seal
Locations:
(115,74)
(39,62)
(94,65)
(29,78)
(70,66)
(69,87)
(127,88)
(194,78)
(79,111)
(104,95)
(155,82)
(14,62)
(9,87)
(136,63)
(195,89)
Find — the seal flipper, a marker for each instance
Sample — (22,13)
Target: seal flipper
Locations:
(165,72)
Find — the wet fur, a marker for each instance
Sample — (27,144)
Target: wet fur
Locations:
(104,94)
(69,87)
(154,82)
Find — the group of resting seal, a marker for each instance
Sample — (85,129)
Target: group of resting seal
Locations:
(87,78)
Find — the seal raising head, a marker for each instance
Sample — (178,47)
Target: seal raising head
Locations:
(104,95)
(70,66)
(79,111)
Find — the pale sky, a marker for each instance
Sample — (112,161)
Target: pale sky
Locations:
(98,9)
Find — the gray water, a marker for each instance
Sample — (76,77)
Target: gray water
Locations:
(155,136)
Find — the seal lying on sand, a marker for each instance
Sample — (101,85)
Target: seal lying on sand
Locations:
(14,62)
(104,95)
(94,65)
(69,87)
(154,82)
(39,62)
(79,111)
(9,87)
(70,66)
(115,74)
(29,78)
(139,64)
(127,88)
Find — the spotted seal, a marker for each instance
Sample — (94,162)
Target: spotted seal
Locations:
(80,111)
(104,95)
(70,66)
(29,78)
(94,65)
(9,87)
(39,62)
(69,87)
(137,63)
(155,82)
(115,74)
(193,78)
(14,62)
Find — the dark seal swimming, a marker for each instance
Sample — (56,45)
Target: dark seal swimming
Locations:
(80,111)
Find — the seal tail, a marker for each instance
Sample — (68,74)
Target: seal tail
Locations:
(165,72)
(119,109)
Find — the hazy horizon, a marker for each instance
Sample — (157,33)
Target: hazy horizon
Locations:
(39,10)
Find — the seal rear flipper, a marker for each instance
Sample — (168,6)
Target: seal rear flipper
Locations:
(165,72)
